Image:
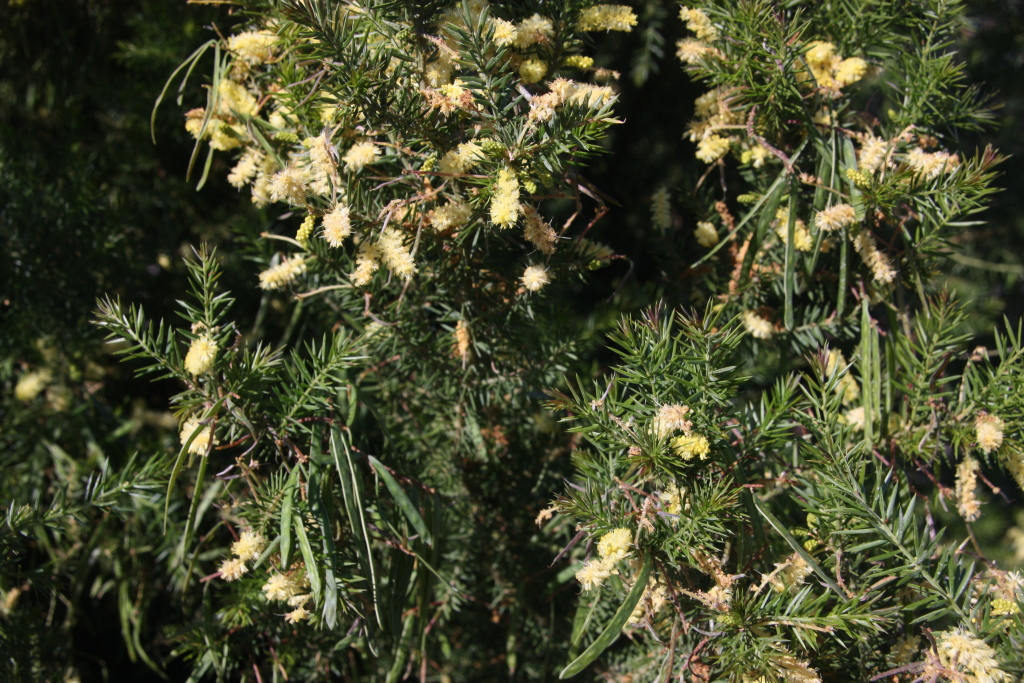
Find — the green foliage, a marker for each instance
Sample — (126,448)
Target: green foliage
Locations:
(360,479)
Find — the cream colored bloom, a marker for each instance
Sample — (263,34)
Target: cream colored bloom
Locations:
(281,587)
(706,234)
(235,99)
(966,489)
(254,47)
(989,432)
(850,71)
(757,326)
(607,18)
(297,615)
(201,443)
(536,29)
(505,201)
(395,254)
(337,225)
(964,653)
(661,209)
(532,70)
(360,155)
(232,570)
(801,237)
(688,446)
(712,148)
(367,262)
(538,231)
(289,185)
(873,153)
(835,217)
(249,545)
(504,32)
(461,159)
(579,61)
(246,169)
(879,264)
(672,418)
(615,545)
(201,354)
(593,573)
(281,275)
(452,215)
(31,384)
(700,23)
(535,278)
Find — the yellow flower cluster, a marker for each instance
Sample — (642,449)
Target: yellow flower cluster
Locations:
(966,489)
(536,29)
(360,155)
(504,32)
(700,23)
(757,326)
(801,237)
(989,432)
(201,354)
(538,231)
(246,169)
(395,254)
(932,164)
(706,234)
(505,202)
(830,70)
(284,587)
(672,418)
(969,657)
(579,61)
(249,545)
(461,159)
(613,547)
(281,275)
(31,384)
(201,443)
(235,99)
(607,18)
(367,263)
(532,70)
(879,264)
(535,278)
(712,148)
(337,225)
(688,446)
(255,47)
(289,185)
(873,153)
(835,217)
(661,209)
(451,215)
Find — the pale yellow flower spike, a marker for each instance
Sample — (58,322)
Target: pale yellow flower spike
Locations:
(607,18)
(360,155)
(249,545)
(201,443)
(757,326)
(615,545)
(337,225)
(281,275)
(989,432)
(661,209)
(505,202)
(201,354)
(966,489)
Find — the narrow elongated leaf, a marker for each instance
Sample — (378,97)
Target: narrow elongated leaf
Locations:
(408,509)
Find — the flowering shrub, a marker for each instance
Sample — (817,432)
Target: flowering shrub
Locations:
(365,483)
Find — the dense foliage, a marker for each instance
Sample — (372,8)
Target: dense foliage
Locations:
(400,449)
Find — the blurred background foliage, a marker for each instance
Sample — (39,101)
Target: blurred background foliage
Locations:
(90,206)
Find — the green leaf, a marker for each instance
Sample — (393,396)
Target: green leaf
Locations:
(410,511)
